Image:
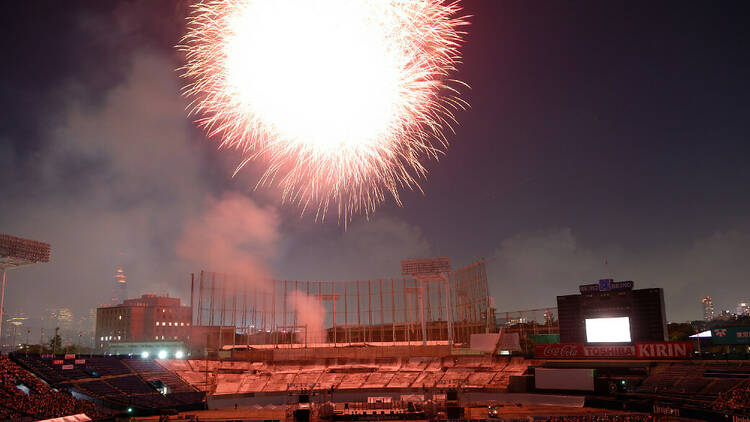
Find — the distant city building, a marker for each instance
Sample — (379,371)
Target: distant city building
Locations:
(14,324)
(146,319)
(120,289)
(726,314)
(60,318)
(743,308)
(708,308)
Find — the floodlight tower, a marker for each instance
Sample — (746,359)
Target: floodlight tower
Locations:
(17,252)
(425,270)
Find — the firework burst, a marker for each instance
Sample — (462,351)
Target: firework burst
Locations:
(342,100)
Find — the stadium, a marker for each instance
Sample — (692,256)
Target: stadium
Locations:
(426,346)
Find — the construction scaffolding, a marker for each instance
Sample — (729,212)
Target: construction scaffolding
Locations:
(415,309)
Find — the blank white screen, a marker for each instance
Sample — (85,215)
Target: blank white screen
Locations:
(608,330)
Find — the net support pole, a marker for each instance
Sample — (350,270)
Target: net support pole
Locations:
(448,313)
(421,311)
(2,302)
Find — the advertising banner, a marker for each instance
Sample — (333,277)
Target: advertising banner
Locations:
(652,350)
(559,350)
(664,350)
(731,335)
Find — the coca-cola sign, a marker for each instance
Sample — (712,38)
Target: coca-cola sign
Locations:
(651,350)
(558,350)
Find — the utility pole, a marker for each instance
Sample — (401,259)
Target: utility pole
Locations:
(54,340)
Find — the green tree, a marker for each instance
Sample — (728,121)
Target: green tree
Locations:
(55,344)
(680,331)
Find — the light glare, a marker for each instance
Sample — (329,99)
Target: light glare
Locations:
(608,330)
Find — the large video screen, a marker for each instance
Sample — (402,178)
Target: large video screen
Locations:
(608,330)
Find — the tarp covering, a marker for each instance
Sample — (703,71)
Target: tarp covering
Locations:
(81,417)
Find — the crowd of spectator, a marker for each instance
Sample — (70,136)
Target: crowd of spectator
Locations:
(595,418)
(737,398)
(40,402)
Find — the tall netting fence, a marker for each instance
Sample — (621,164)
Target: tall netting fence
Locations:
(360,311)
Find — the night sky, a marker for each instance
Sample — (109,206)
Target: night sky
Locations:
(598,131)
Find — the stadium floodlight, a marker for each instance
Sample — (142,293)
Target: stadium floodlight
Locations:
(423,266)
(162,354)
(429,269)
(178,354)
(18,252)
(144,354)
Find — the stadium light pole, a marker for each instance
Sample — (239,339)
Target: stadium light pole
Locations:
(17,252)
(428,269)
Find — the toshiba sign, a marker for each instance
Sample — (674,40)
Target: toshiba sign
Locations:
(652,350)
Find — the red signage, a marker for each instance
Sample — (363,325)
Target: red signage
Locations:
(559,350)
(653,350)
(608,351)
(58,362)
(664,350)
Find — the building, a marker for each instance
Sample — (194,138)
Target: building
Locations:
(612,312)
(726,315)
(743,308)
(149,318)
(120,288)
(708,308)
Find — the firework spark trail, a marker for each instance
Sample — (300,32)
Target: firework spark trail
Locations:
(342,100)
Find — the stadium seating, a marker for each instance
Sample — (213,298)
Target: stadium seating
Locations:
(39,401)
(105,366)
(115,380)
(467,372)
(695,380)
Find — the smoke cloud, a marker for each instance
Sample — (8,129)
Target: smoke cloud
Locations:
(234,235)
(310,313)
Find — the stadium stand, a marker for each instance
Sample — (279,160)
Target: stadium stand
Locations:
(116,381)
(720,387)
(38,401)
(736,399)
(468,372)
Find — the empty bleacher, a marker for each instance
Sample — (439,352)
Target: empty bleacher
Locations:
(124,381)
(467,372)
(697,380)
